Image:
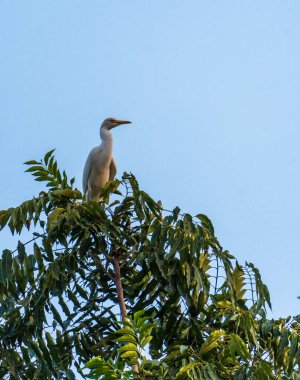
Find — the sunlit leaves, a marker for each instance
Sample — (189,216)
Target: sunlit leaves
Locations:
(132,339)
(238,348)
(102,370)
(135,334)
(212,341)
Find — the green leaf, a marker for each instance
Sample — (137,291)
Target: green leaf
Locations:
(145,341)
(48,155)
(206,222)
(238,347)
(129,354)
(38,169)
(53,348)
(212,341)
(128,347)
(56,315)
(21,252)
(109,188)
(63,305)
(70,374)
(126,338)
(126,330)
(38,256)
(138,315)
(28,268)
(32,162)
(6,264)
(4,218)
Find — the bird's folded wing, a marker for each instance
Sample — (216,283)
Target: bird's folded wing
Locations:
(86,174)
(112,169)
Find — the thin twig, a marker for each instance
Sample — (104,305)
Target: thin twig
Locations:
(29,241)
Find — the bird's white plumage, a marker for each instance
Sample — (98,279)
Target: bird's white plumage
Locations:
(100,166)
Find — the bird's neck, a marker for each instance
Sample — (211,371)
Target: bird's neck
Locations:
(106,138)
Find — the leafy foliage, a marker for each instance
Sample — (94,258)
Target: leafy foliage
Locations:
(197,311)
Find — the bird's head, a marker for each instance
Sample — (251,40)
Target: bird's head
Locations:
(112,123)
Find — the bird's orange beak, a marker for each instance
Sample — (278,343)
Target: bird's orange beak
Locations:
(119,122)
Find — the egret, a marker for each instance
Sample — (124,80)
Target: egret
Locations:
(100,166)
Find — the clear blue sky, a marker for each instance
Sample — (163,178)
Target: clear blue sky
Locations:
(212,88)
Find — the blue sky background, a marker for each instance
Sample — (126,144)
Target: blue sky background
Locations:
(212,88)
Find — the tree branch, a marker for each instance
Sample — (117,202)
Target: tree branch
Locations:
(119,287)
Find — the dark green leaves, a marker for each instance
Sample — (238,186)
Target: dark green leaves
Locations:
(6,266)
(4,217)
(47,171)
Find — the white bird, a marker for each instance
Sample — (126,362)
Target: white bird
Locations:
(100,166)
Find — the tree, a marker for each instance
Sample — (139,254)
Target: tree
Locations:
(198,312)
